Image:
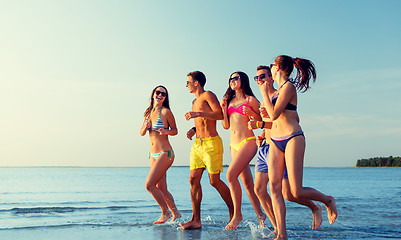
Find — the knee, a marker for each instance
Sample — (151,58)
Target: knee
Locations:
(296,193)
(215,182)
(275,188)
(162,188)
(260,191)
(149,186)
(287,195)
(231,178)
(194,181)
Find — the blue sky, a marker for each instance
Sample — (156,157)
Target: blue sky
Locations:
(76,76)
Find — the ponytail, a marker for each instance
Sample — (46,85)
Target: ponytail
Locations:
(305,70)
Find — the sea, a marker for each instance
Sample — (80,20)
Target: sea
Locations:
(112,203)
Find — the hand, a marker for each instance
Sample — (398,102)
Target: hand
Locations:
(259,140)
(147,126)
(190,115)
(162,131)
(223,103)
(248,112)
(252,124)
(190,134)
(263,113)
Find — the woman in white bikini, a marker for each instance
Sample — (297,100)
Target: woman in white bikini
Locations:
(239,105)
(160,122)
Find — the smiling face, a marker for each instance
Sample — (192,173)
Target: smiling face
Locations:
(262,75)
(191,84)
(159,95)
(235,81)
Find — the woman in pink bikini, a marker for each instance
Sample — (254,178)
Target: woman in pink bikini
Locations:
(160,122)
(239,105)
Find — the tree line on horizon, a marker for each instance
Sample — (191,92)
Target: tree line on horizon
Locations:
(380,162)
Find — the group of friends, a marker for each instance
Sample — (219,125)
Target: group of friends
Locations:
(280,158)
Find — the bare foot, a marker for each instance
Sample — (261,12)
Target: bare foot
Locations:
(191,225)
(281,238)
(233,224)
(332,210)
(317,217)
(176,216)
(163,218)
(261,219)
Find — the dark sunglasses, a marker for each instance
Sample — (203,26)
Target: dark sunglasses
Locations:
(162,93)
(233,78)
(271,65)
(261,76)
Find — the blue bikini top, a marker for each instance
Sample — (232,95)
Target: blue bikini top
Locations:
(158,124)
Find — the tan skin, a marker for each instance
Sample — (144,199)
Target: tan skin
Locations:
(156,182)
(239,166)
(285,122)
(262,179)
(205,112)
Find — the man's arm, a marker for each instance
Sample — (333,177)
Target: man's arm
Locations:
(214,104)
(215,114)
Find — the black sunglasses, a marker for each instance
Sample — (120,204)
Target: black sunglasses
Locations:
(233,78)
(261,76)
(271,65)
(162,93)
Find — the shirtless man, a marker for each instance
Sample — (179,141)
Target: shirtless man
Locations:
(207,150)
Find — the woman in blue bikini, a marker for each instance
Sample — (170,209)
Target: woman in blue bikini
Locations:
(288,146)
(239,104)
(160,122)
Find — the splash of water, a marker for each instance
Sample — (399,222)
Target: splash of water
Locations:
(260,232)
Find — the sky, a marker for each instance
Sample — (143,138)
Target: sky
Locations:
(76,76)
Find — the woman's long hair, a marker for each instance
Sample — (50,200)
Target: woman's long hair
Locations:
(305,70)
(166,103)
(245,87)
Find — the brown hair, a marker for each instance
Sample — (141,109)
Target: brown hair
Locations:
(198,76)
(245,87)
(166,103)
(265,67)
(305,70)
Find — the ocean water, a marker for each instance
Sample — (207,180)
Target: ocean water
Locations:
(112,203)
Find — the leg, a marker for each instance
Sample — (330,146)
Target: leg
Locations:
(295,160)
(315,208)
(162,186)
(247,180)
(223,190)
(261,181)
(158,171)
(276,166)
(196,197)
(240,161)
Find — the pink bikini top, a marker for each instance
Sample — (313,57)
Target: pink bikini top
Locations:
(239,109)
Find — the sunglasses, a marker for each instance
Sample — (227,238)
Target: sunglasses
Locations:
(233,78)
(160,93)
(271,65)
(261,76)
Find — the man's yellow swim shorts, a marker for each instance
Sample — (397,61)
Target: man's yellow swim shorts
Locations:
(207,153)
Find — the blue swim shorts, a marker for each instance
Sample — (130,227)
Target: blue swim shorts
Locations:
(261,161)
